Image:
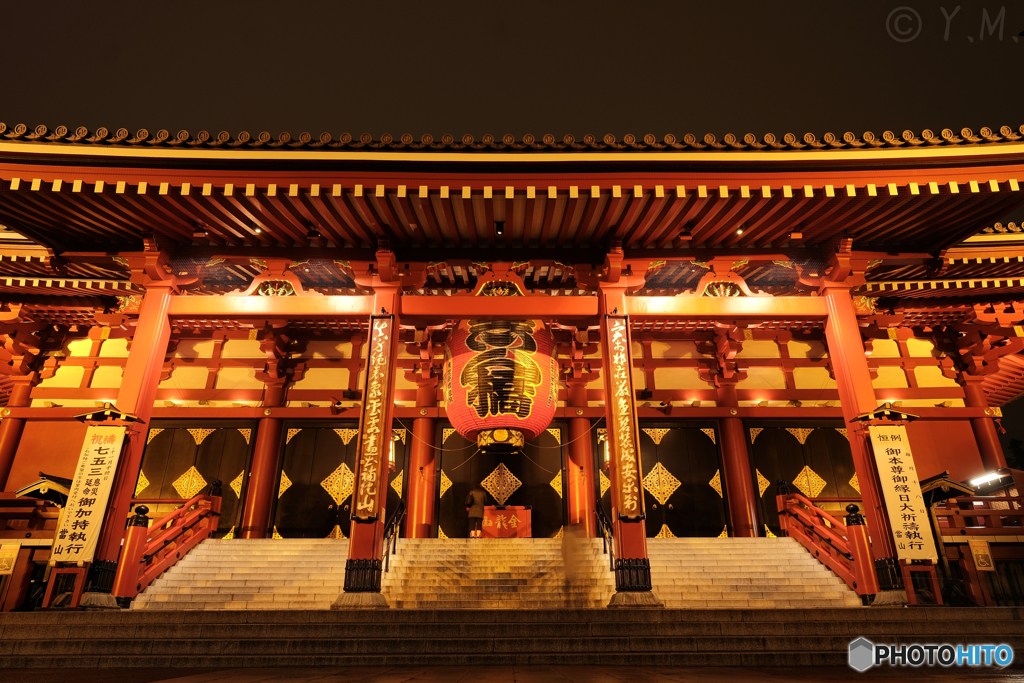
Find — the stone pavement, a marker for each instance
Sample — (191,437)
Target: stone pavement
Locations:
(508,674)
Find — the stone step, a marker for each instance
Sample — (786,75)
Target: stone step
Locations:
(296,583)
(240,634)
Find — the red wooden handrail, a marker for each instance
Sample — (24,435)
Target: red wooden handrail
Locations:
(955,513)
(843,548)
(151,549)
(967,517)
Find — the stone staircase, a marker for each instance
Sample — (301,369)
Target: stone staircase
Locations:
(600,637)
(507,573)
(696,573)
(252,574)
(687,573)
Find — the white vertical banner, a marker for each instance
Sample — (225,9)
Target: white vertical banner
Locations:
(901,487)
(82,518)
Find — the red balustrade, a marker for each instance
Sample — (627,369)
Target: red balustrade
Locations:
(151,549)
(843,548)
(996,519)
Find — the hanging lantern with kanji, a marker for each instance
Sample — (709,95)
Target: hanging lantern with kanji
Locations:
(500,381)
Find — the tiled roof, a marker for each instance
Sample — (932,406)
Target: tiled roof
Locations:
(749,142)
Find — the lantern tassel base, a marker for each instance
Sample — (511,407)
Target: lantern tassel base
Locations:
(635,599)
(363,600)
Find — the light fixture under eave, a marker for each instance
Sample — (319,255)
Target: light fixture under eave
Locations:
(499,228)
(258,230)
(739,231)
(986,478)
(313,233)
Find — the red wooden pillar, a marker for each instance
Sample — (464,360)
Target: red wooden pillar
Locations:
(739,484)
(11,428)
(366,539)
(266,462)
(992,456)
(632,566)
(581,462)
(136,396)
(857,396)
(420,505)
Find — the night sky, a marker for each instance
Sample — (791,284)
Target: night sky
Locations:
(511,67)
(529,66)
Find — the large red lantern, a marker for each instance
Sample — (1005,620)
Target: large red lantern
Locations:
(500,380)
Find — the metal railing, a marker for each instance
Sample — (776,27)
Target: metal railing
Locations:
(607,535)
(391,534)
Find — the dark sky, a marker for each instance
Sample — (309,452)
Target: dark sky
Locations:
(511,67)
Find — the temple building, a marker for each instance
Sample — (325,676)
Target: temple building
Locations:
(249,373)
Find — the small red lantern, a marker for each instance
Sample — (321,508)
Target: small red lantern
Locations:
(500,381)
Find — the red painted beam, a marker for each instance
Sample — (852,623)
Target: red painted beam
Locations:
(407,414)
(487,308)
(232,307)
(715,308)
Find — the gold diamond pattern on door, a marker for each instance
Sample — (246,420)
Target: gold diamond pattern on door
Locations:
(236,484)
(346,435)
(339,484)
(762,483)
(446,483)
(716,483)
(142,484)
(501,484)
(556,483)
(656,435)
(660,483)
(286,484)
(199,435)
(809,483)
(189,484)
(665,532)
(800,433)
